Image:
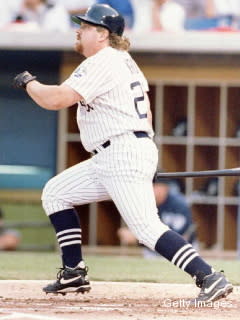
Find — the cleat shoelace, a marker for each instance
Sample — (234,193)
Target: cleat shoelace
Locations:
(62,270)
(60,273)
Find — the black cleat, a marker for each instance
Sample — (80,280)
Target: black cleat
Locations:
(214,287)
(70,280)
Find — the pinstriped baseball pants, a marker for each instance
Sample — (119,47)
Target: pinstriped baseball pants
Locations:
(122,172)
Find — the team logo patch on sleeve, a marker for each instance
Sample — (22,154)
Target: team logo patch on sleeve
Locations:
(79,72)
(87,107)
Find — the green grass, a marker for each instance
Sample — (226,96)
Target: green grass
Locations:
(27,265)
(38,237)
(23,212)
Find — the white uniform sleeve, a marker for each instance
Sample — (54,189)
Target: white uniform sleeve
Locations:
(92,78)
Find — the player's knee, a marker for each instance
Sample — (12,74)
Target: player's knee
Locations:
(54,198)
(46,190)
(48,196)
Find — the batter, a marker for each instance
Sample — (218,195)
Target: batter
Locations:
(114,120)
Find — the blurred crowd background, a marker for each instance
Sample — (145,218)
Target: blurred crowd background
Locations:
(140,15)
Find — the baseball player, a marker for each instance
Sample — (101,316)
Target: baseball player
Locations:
(114,120)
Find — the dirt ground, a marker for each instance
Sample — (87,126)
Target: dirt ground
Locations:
(22,300)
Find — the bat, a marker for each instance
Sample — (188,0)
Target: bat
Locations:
(196,174)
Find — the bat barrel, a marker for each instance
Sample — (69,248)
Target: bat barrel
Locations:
(195,174)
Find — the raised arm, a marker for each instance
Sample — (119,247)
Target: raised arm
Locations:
(51,97)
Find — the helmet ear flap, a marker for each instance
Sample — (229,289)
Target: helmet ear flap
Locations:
(115,24)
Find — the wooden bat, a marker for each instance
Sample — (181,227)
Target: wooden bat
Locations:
(196,174)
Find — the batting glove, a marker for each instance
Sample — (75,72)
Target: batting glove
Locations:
(22,79)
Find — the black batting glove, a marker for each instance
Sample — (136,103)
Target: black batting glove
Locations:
(22,79)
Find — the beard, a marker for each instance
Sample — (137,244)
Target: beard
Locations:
(78,47)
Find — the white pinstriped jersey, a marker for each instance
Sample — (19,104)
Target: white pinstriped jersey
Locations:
(113,89)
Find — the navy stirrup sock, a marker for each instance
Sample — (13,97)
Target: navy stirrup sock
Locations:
(69,235)
(175,249)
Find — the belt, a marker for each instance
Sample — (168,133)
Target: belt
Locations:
(138,134)
(141,134)
(104,145)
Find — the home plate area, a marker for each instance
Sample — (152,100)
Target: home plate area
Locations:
(24,299)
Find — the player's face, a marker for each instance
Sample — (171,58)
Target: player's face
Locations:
(87,39)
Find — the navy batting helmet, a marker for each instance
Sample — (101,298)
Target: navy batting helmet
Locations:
(102,15)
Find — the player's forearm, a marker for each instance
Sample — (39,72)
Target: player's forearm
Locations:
(46,96)
(51,97)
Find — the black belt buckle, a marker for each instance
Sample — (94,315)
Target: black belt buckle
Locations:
(141,134)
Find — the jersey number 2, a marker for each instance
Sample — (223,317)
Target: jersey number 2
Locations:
(138,99)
